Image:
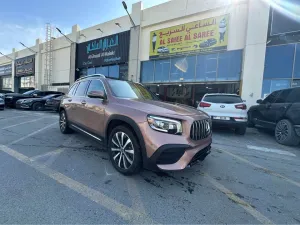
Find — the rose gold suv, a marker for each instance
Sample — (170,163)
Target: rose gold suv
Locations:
(139,130)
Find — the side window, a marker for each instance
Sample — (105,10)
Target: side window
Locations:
(96,85)
(294,96)
(41,94)
(283,96)
(72,90)
(271,97)
(81,88)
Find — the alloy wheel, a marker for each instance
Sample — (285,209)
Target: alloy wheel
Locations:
(281,131)
(122,150)
(62,121)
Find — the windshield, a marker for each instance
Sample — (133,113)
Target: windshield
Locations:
(125,89)
(49,96)
(29,92)
(225,99)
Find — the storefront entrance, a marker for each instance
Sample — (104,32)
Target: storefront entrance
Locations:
(191,94)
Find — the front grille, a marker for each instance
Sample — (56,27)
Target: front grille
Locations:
(200,129)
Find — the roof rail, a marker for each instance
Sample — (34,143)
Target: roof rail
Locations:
(93,75)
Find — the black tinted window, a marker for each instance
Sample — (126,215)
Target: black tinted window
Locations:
(225,99)
(283,96)
(81,88)
(72,90)
(271,97)
(294,96)
(95,85)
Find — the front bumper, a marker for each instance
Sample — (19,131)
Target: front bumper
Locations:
(23,105)
(229,123)
(173,152)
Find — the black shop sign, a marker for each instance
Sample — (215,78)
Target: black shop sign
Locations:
(113,49)
(25,66)
(5,70)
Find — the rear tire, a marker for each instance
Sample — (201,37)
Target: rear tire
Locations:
(63,123)
(124,151)
(250,121)
(241,130)
(37,106)
(285,133)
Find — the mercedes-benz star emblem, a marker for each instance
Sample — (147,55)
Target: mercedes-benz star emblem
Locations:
(207,127)
(222,106)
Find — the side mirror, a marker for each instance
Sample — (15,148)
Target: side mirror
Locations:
(259,101)
(34,95)
(244,100)
(96,94)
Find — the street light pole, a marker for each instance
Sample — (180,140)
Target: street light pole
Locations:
(125,7)
(64,35)
(28,48)
(6,56)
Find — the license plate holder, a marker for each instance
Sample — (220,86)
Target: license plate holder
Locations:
(221,118)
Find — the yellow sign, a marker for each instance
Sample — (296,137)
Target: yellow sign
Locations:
(200,36)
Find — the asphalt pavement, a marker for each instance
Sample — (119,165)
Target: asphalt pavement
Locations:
(48,177)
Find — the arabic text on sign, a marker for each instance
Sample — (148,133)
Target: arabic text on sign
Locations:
(103,44)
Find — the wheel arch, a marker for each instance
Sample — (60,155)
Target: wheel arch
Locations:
(117,120)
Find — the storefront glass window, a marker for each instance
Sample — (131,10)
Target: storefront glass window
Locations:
(183,69)
(147,71)
(102,70)
(27,82)
(6,83)
(91,71)
(279,61)
(113,71)
(206,67)
(273,85)
(162,70)
(297,62)
(229,66)
(123,70)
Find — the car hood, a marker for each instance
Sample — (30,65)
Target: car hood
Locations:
(161,108)
(33,99)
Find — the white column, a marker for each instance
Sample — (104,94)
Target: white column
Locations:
(39,73)
(75,37)
(14,56)
(255,50)
(134,62)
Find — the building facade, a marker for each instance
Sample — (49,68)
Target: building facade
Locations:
(180,50)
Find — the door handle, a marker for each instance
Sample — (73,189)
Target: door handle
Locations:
(69,100)
(83,102)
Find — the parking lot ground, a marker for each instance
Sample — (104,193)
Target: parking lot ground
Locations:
(48,177)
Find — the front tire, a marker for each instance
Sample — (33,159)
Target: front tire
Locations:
(38,106)
(124,151)
(285,133)
(241,130)
(250,121)
(63,123)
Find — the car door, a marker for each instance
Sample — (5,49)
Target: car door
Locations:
(275,111)
(259,115)
(68,102)
(95,109)
(78,103)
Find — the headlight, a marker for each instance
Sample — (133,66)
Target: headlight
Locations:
(165,125)
(26,101)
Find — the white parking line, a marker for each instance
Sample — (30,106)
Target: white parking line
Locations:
(272,150)
(12,118)
(262,168)
(121,210)
(29,135)
(246,206)
(47,154)
(30,121)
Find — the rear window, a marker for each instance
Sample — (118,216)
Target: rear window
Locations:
(224,99)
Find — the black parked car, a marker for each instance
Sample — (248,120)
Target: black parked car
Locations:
(280,111)
(3,92)
(11,99)
(36,104)
(53,103)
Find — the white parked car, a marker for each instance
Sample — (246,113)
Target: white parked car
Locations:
(226,110)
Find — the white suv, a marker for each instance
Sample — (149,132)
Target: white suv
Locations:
(226,110)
